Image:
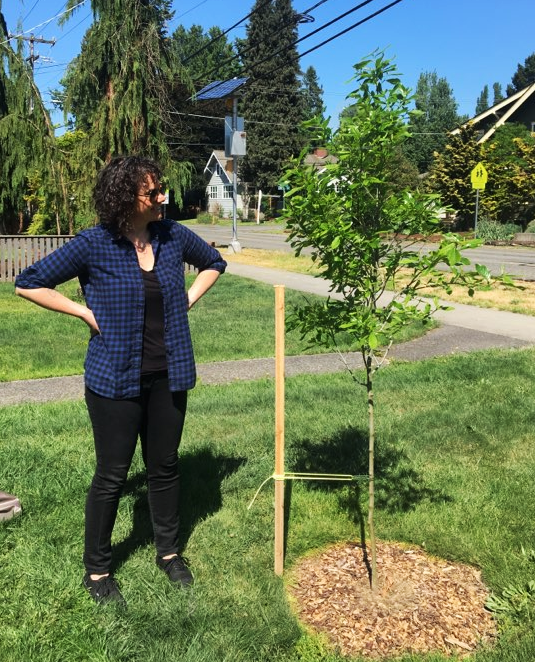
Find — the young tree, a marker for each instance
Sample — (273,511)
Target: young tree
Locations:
(118,88)
(524,76)
(357,225)
(482,102)
(437,114)
(272,102)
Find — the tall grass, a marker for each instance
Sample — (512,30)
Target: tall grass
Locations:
(455,462)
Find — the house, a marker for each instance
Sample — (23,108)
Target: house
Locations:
(319,158)
(519,108)
(219,190)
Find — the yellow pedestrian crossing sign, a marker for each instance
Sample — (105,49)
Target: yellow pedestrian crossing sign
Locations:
(479,176)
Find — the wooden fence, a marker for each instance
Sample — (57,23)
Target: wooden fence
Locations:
(18,252)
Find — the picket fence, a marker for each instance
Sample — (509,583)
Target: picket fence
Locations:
(18,252)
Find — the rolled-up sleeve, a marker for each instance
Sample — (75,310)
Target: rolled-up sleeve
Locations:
(199,253)
(62,265)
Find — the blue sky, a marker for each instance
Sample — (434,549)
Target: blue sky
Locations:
(469,42)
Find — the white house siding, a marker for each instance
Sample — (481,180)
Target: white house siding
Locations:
(225,204)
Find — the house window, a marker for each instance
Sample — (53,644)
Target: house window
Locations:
(219,170)
(227,192)
(212,191)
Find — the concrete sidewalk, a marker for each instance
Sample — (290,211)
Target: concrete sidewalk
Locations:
(463,329)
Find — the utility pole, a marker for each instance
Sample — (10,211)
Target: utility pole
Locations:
(33,57)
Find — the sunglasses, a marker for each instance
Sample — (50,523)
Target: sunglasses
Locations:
(153,193)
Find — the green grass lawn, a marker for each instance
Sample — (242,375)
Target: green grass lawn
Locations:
(455,459)
(235,320)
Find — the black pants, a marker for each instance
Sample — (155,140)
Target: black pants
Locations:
(157,417)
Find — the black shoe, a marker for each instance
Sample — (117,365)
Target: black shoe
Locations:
(104,590)
(176,569)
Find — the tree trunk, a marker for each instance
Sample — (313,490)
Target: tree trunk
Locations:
(371,470)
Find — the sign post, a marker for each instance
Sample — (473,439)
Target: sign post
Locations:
(478,177)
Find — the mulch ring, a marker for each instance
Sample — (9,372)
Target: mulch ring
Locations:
(422,604)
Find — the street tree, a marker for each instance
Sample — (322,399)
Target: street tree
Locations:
(358,227)
(437,115)
(272,101)
(523,76)
(117,88)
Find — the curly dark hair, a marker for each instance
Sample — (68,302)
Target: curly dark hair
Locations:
(117,187)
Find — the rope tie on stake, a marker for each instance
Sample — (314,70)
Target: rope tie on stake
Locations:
(304,476)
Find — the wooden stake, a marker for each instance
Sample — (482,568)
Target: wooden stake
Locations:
(279,429)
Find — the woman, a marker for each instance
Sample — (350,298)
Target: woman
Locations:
(139,363)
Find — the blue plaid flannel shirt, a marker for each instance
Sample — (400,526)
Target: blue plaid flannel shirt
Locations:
(111,279)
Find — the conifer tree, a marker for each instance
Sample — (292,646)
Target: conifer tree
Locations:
(437,115)
(482,103)
(523,76)
(313,105)
(26,136)
(497,92)
(272,102)
(117,89)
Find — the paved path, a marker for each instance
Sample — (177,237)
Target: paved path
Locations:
(464,329)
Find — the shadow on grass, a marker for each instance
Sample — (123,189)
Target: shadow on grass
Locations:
(398,486)
(201,475)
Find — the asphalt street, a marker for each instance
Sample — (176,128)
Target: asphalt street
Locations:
(517,261)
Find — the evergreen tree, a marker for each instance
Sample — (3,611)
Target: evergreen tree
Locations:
(313,105)
(26,137)
(206,55)
(272,102)
(524,76)
(482,103)
(118,88)
(436,116)
(498,94)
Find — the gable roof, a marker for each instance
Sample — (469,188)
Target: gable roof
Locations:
(218,157)
(501,112)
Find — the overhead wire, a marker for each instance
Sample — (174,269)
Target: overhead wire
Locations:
(48,20)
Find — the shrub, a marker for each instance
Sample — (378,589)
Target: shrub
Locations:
(489,230)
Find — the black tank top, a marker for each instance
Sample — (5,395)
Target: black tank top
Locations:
(154,358)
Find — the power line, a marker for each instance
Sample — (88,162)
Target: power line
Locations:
(351,27)
(246,50)
(49,20)
(210,43)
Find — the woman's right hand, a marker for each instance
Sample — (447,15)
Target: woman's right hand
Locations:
(91,322)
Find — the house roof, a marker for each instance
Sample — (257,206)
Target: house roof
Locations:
(319,158)
(218,156)
(501,112)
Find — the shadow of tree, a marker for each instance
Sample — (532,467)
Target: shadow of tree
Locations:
(399,487)
(201,476)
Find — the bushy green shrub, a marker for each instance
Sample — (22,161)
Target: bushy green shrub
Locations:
(206,218)
(489,230)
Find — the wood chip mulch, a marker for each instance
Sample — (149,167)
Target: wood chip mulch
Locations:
(422,604)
